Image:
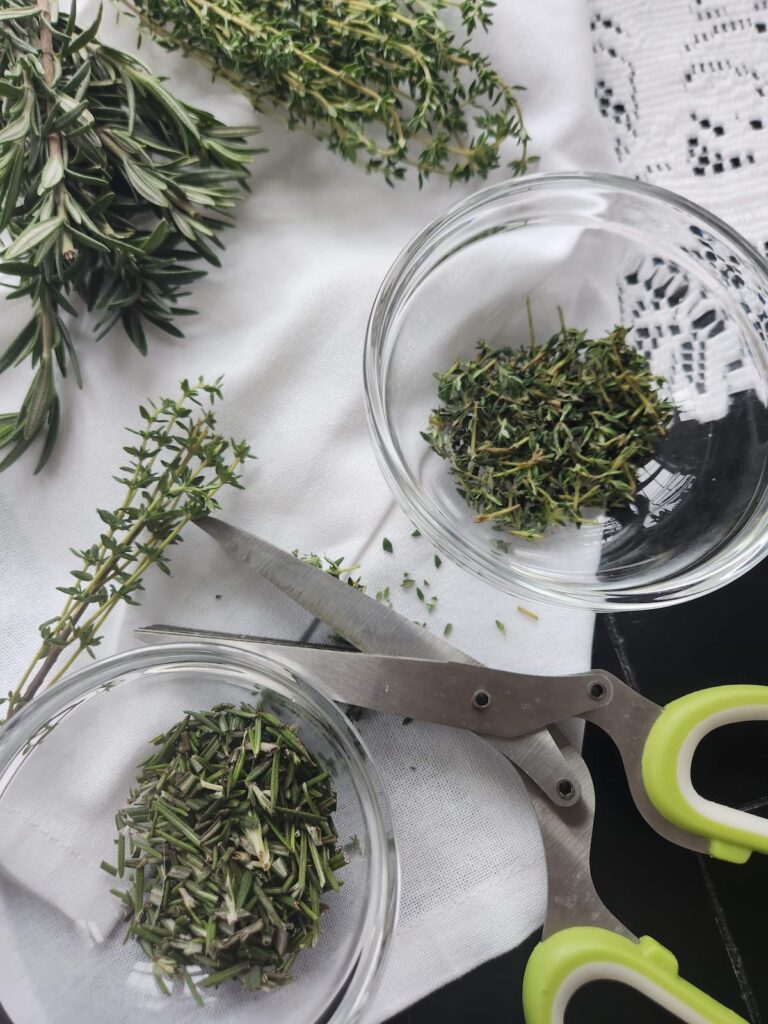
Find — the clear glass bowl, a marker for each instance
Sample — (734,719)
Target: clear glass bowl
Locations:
(67,761)
(605,250)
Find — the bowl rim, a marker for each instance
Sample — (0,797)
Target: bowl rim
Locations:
(723,566)
(381,904)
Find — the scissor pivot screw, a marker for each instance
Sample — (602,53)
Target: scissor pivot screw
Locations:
(596,690)
(481,699)
(566,789)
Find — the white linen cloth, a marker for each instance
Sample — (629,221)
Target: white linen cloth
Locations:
(284,321)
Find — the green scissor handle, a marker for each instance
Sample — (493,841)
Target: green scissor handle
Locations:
(573,957)
(666,768)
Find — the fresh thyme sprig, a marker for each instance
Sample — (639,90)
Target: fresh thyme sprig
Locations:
(383,82)
(176,468)
(110,188)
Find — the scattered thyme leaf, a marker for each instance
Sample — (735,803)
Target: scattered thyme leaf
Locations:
(501,627)
(527,612)
(448,629)
(387,545)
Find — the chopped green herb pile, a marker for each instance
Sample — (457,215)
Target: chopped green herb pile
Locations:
(227,843)
(534,435)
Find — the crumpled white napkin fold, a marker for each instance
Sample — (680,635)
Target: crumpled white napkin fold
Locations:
(284,321)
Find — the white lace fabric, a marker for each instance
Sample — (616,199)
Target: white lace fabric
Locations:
(683,85)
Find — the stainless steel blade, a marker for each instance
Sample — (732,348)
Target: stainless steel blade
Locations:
(376,629)
(486,701)
(368,624)
(556,776)
(567,834)
(628,723)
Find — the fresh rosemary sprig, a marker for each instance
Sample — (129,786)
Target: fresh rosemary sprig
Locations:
(175,470)
(536,434)
(110,188)
(383,82)
(228,843)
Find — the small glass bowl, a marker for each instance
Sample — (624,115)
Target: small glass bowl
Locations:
(604,250)
(67,761)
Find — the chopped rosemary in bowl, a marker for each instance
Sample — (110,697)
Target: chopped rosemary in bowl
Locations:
(229,844)
(202,860)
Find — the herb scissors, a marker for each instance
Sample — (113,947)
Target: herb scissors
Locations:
(400,668)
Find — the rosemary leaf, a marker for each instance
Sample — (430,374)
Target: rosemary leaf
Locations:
(229,894)
(111,189)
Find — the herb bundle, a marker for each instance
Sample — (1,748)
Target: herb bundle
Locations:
(384,82)
(228,842)
(174,472)
(534,435)
(110,189)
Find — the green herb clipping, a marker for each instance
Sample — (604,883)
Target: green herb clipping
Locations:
(110,189)
(536,434)
(386,83)
(227,844)
(175,469)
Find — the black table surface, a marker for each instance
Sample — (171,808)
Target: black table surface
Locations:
(710,914)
